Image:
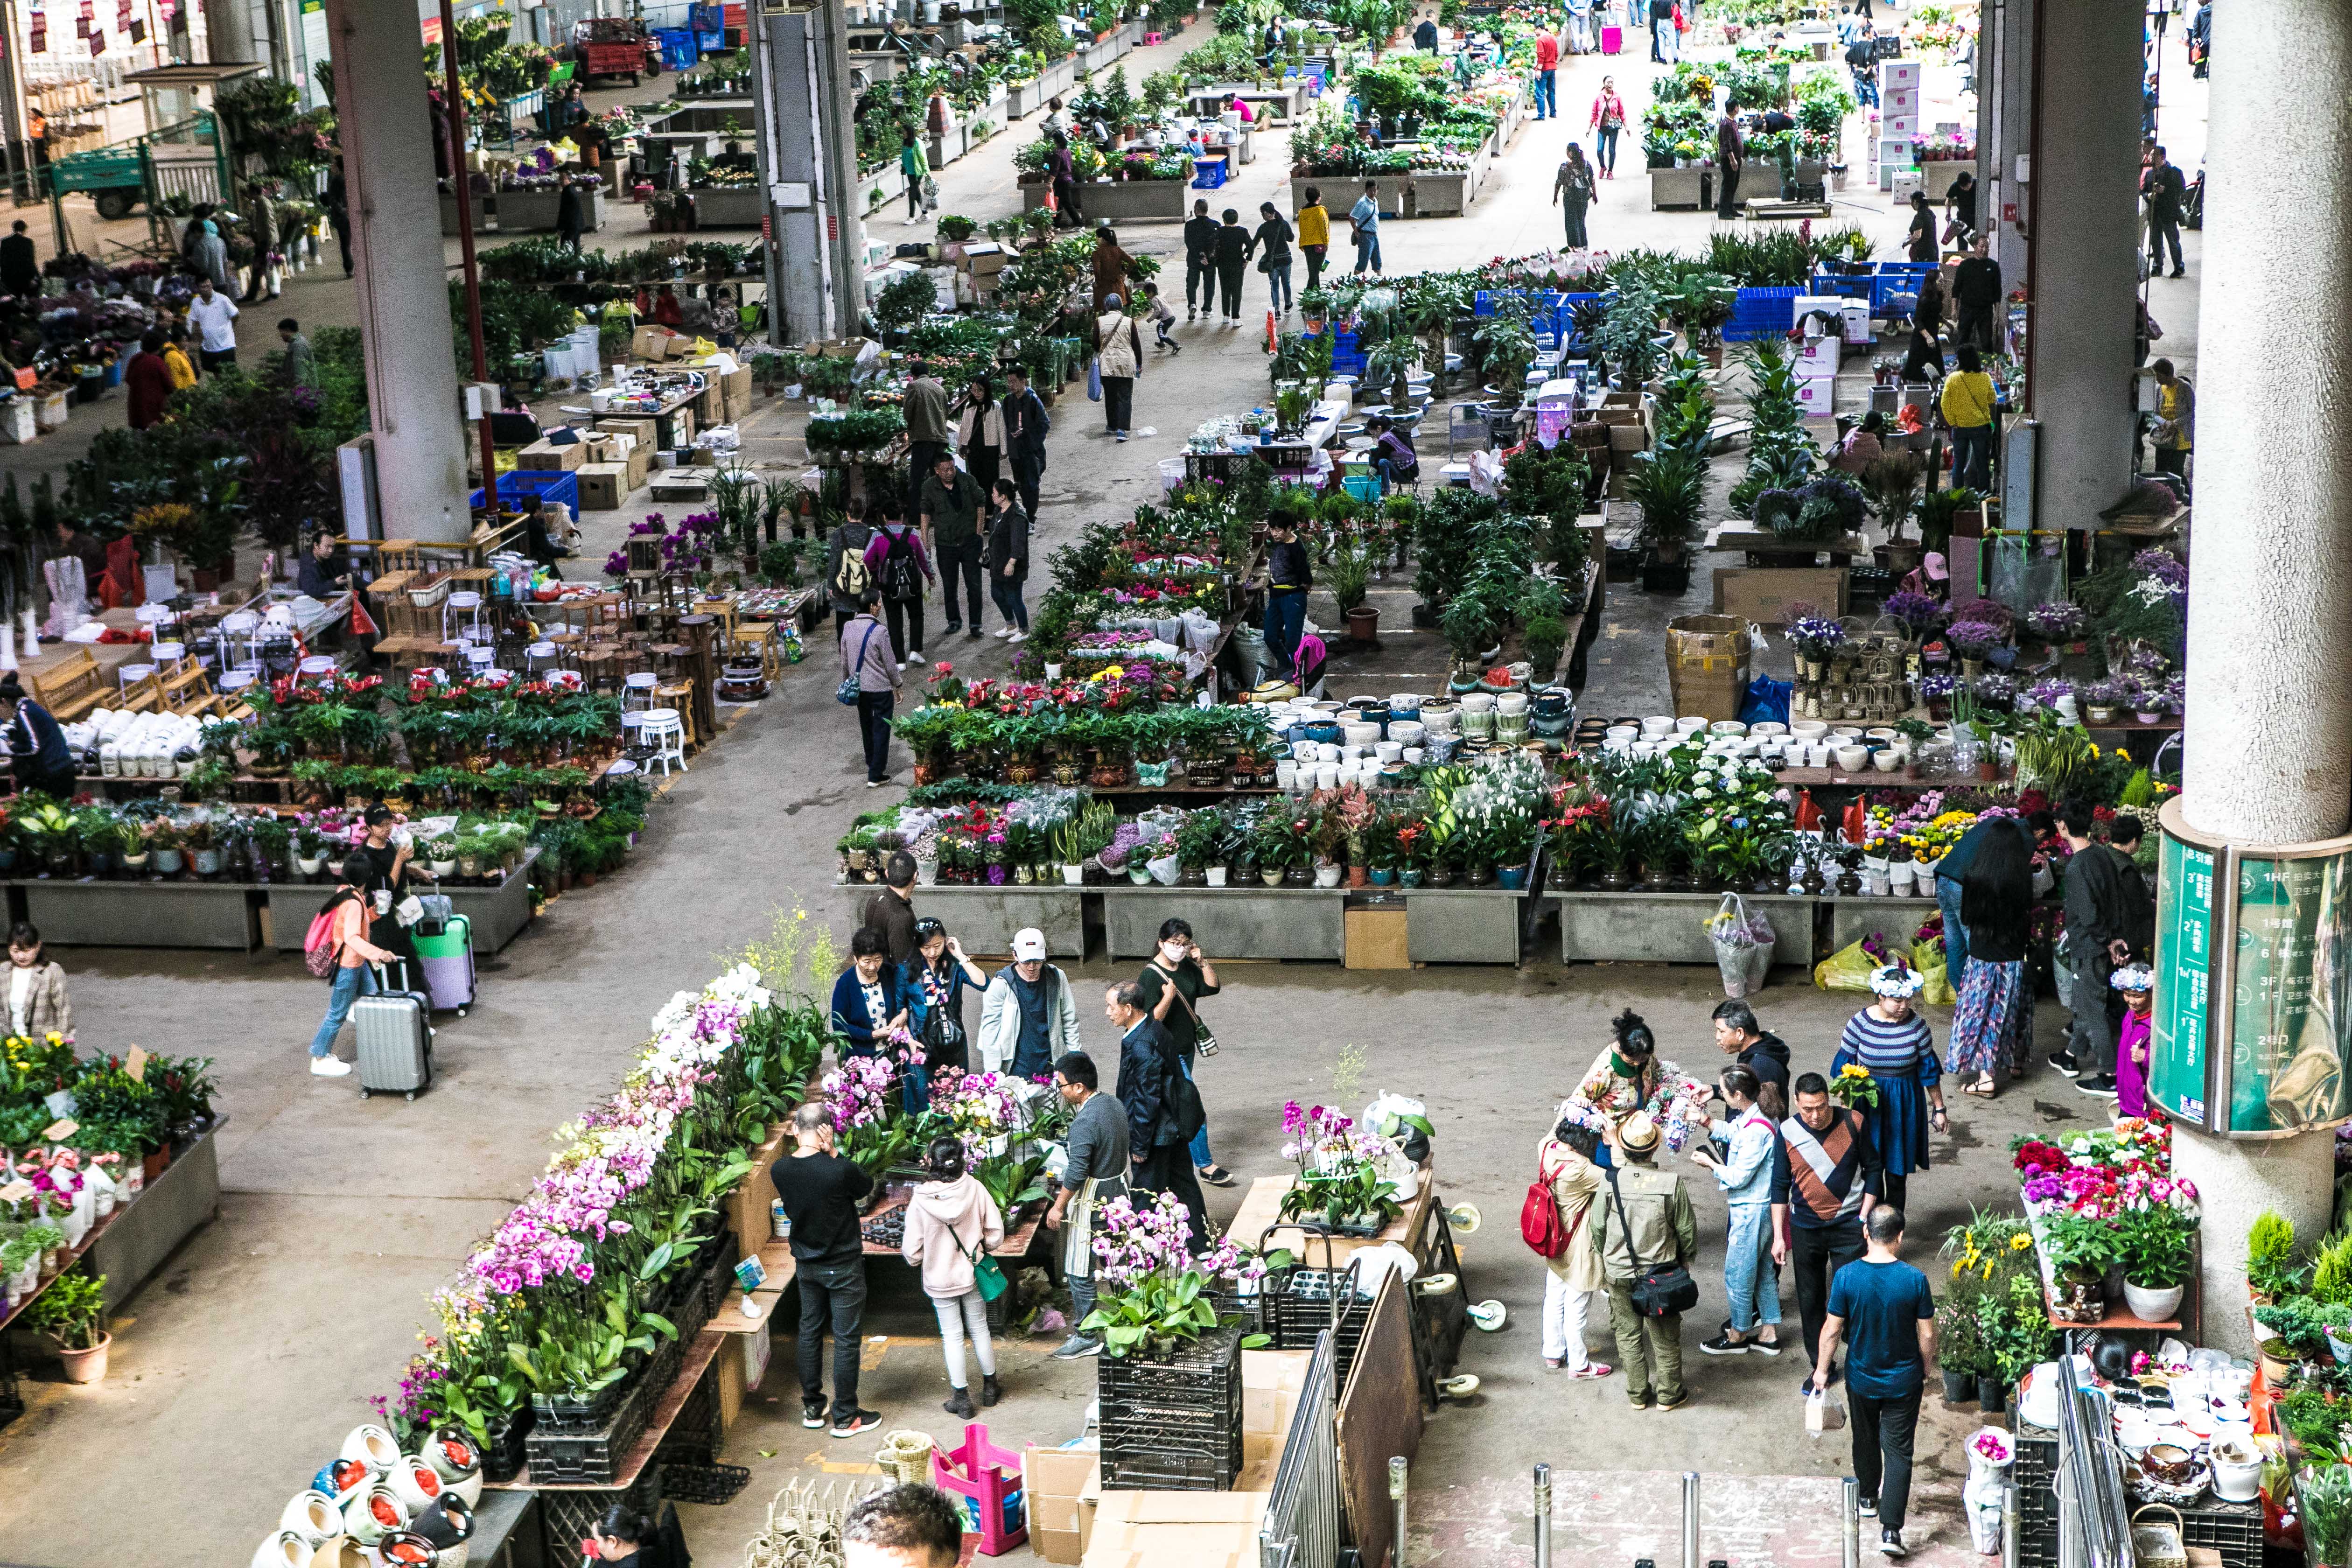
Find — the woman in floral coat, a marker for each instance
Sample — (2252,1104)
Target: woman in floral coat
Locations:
(1623,1079)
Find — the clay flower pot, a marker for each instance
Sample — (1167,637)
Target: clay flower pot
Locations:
(86,1365)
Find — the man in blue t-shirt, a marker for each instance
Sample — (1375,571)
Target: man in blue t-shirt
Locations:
(1887,1314)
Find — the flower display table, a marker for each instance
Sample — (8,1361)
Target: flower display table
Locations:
(984,918)
(498,914)
(1668,928)
(133,1241)
(1466,925)
(1850,920)
(1241,923)
(1261,1215)
(91,913)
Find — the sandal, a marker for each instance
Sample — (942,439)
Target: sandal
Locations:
(1983,1087)
(1215,1176)
(1594,1368)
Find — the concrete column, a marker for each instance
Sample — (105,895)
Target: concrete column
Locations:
(808,165)
(2004,128)
(404,328)
(228,30)
(2270,729)
(2085,242)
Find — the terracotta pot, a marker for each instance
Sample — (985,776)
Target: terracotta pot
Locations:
(1363,624)
(153,1165)
(86,1366)
(1357,876)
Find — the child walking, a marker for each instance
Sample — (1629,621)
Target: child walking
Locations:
(1161,318)
(952,1222)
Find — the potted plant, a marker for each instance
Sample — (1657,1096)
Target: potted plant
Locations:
(441,855)
(1669,486)
(2080,1249)
(2159,1248)
(1960,1354)
(1351,580)
(1200,848)
(71,1312)
(2298,1328)
(2271,1271)
(2101,701)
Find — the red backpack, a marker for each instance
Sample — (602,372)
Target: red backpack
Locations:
(1539,1222)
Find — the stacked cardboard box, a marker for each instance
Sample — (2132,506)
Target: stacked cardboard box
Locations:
(1203,1530)
(547,456)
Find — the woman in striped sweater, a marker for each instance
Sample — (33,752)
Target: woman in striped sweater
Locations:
(1891,1042)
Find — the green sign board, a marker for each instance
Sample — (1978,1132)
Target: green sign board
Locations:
(2253,1027)
(2184,956)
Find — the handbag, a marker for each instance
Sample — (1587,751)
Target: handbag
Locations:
(847,692)
(1659,1293)
(1203,1040)
(987,1274)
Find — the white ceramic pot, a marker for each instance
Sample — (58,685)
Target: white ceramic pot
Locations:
(283,1550)
(1809,728)
(1389,751)
(1887,759)
(1360,734)
(2237,1465)
(1439,720)
(1654,727)
(2152,1306)
(359,1521)
(1727,727)
(1689,724)
(1768,728)
(1302,750)
(371,1445)
(1326,775)
(1853,759)
(1511,702)
(1621,731)
(1216,875)
(456,1460)
(1477,703)
(415,1483)
(1406,731)
(1413,754)
(1073,876)
(1327,875)
(311,1515)
(1325,751)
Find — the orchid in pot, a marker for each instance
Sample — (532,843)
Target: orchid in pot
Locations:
(1339,1176)
(1152,1294)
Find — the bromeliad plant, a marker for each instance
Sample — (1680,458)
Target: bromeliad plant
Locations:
(1152,1293)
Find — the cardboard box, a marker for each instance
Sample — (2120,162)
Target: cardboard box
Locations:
(639,428)
(1763,595)
(1898,128)
(655,343)
(1706,665)
(1177,1530)
(640,463)
(545,457)
(1628,438)
(1898,100)
(982,258)
(1271,1382)
(1059,1484)
(603,486)
(746,1210)
(1821,355)
(1895,74)
(1376,939)
(1816,395)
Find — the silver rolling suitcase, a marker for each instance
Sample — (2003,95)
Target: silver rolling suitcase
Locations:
(396,1037)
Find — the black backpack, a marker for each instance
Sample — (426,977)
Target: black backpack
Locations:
(901,579)
(1182,1096)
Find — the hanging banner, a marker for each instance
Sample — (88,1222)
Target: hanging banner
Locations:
(37,25)
(2252,1035)
(97,42)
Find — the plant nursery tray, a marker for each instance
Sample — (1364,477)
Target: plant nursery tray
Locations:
(663,1410)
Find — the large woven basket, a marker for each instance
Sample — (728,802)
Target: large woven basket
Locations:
(907,1455)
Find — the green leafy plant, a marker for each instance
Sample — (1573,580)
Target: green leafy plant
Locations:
(73,1310)
(2157,1246)
(2271,1267)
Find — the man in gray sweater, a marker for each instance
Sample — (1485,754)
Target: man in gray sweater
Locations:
(1096,1174)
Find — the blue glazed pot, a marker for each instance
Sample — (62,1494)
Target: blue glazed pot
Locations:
(1510,877)
(1383,877)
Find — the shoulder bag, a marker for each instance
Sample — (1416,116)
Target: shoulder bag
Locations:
(1203,1040)
(847,692)
(1659,1293)
(987,1274)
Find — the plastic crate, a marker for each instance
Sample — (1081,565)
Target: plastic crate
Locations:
(1844,285)
(588,1459)
(1894,278)
(2233,1529)
(549,484)
(1175,1423)
(709,1484)
(679,50)
(1208,173)
(568,1518)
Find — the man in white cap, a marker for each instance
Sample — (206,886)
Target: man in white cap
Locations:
(1027,1015)
(1643,1223)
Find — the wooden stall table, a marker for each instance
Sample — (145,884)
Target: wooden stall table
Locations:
(1261,1215)
(699,666)
(1014,1245)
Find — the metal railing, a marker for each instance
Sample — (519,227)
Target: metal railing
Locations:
(1301,1528)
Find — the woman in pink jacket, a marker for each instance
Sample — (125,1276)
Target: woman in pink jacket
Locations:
(951,1224)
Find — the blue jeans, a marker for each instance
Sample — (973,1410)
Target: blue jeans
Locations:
(1547,94)
(1368,251)
(349,986)
(1006,591)
(1749,1277)
(1605,149)
(1286,619)
(1200,1148)
(1956,936)
(1277,286)
(1865,89)
(914,1088)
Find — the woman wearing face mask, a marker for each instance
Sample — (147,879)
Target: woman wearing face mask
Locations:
(381,866)
(1170,989)
(38,1003)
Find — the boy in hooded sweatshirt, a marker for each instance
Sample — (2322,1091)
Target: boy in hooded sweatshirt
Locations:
(951,1224)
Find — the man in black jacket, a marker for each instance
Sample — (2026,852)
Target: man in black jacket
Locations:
(1745,1041)
(1976,294)
(2099,923)
(821,1193)
(1026,424)
(20,263)
(2163,188)
(1200,262)
(1153,1088)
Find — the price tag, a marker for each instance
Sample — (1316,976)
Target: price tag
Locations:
(16,1192)
(63,1128)
(135,1064)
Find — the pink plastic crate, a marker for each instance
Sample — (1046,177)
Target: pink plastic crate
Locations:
(985,1482)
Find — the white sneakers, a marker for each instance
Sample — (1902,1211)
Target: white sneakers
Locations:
(1018,637)
(914,656)
(1003,631)
(902,663)
(329,1066)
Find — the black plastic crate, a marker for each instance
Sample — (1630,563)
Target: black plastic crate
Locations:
(574,1460)
(578,1417)
(1296,1307)
(566,1518)
(1177,1421)
(726,1251)
(711,1484)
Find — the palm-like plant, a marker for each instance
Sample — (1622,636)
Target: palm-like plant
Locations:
(1669,485)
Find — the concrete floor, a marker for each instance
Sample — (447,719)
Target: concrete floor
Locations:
(279,1321)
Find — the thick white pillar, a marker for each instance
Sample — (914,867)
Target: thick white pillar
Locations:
(2270,590)
(412,374)
(2084,243)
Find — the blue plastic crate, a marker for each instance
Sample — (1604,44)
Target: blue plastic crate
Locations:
(1894,278)
(678,50)
(1208,173)
(521,484)
(1845,286)
(1349,364)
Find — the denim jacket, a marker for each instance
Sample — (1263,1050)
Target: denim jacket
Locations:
(1745,1175)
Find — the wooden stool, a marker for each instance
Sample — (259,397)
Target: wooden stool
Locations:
(701,672)
(669,660)
(680,697)
(631,659)
(600,666)
(758,639)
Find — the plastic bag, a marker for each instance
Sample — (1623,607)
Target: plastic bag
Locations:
(1936,986)
(1847,969)
(1767,702)
(1825,1413)
(1743,946)
(2022,577)
(1094,379)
